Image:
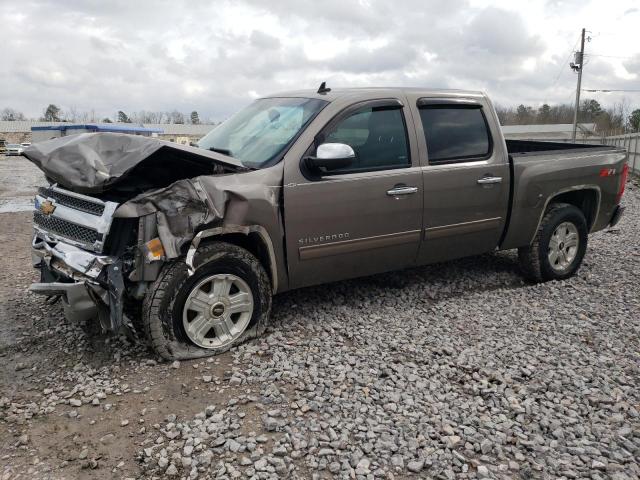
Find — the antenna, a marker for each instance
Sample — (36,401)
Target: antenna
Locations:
(323,88)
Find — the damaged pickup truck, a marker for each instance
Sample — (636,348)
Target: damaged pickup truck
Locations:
(190,243)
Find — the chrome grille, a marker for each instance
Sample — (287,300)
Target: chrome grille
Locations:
(79,220)
(66,229)
(72,202)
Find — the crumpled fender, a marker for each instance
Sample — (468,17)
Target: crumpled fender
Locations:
(186,206)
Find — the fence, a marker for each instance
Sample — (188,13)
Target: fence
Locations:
(630,142)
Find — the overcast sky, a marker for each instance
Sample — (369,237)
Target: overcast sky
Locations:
(215,56)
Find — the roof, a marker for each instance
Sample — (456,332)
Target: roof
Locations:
(164,128)
(548,128)
(23,126)
(98,127)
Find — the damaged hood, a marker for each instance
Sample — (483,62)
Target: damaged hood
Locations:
(185,189)
(92,162)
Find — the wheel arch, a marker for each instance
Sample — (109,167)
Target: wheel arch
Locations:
(254,239)
(587,200)
(584,197)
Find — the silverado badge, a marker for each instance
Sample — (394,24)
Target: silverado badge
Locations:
(47,207)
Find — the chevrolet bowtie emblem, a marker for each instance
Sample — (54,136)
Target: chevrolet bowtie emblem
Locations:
(47,207)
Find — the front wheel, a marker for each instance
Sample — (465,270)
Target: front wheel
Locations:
(224,303)
(558,247)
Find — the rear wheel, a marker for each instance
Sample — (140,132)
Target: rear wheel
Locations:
(558,247)
(224,303)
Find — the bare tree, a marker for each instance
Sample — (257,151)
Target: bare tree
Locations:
(70,114)
(176,117)
(11,115)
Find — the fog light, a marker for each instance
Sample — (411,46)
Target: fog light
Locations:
(154,250)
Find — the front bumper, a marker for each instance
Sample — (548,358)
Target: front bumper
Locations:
(85,281)
(73,260)
(78,304)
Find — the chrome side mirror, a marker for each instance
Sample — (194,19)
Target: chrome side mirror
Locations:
(331,156)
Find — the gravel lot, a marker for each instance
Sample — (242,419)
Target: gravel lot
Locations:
(456,370)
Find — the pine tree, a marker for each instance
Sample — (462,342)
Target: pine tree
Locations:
(51,113)
(123,118)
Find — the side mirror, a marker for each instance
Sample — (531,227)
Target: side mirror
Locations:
(332,156)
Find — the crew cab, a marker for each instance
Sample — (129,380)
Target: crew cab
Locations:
(189,243)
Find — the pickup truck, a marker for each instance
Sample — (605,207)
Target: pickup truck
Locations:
(189,243)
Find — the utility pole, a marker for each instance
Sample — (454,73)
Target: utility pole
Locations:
(577,65)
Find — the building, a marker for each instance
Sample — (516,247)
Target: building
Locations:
(21,131)
(557,132)
(182,133)
(42,133)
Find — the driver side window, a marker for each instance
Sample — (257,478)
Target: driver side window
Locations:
(378,137)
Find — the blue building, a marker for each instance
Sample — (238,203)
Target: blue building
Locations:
(47,132)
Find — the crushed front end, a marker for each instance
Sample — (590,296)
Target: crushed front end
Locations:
(84,254)
(121,206)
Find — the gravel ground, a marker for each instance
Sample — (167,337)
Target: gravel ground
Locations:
(456,370)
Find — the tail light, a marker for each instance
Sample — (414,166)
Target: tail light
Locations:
(623,182)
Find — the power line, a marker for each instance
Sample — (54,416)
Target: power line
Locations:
(562,68)
(607,90)
(605,56)
(564,64)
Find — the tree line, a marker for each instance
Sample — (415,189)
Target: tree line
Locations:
(53,113)
(618,118)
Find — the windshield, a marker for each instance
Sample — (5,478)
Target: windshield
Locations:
(260,134)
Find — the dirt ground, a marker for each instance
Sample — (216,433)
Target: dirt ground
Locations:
(39,352)
(45,361)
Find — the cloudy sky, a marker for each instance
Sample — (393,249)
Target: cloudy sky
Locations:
(215,56)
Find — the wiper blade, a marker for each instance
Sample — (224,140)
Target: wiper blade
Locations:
(223,151)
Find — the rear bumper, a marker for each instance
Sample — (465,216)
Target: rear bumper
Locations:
(617,215)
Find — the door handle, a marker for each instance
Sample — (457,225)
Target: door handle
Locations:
(395,191)
(489,180)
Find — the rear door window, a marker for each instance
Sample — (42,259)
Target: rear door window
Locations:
(455,133)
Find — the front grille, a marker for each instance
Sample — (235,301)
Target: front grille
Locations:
(66,229)
(72,202)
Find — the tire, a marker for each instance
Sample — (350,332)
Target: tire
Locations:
(538,262)
(167,315)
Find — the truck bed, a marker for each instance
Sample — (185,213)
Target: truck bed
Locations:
(524,147)
(542,171)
